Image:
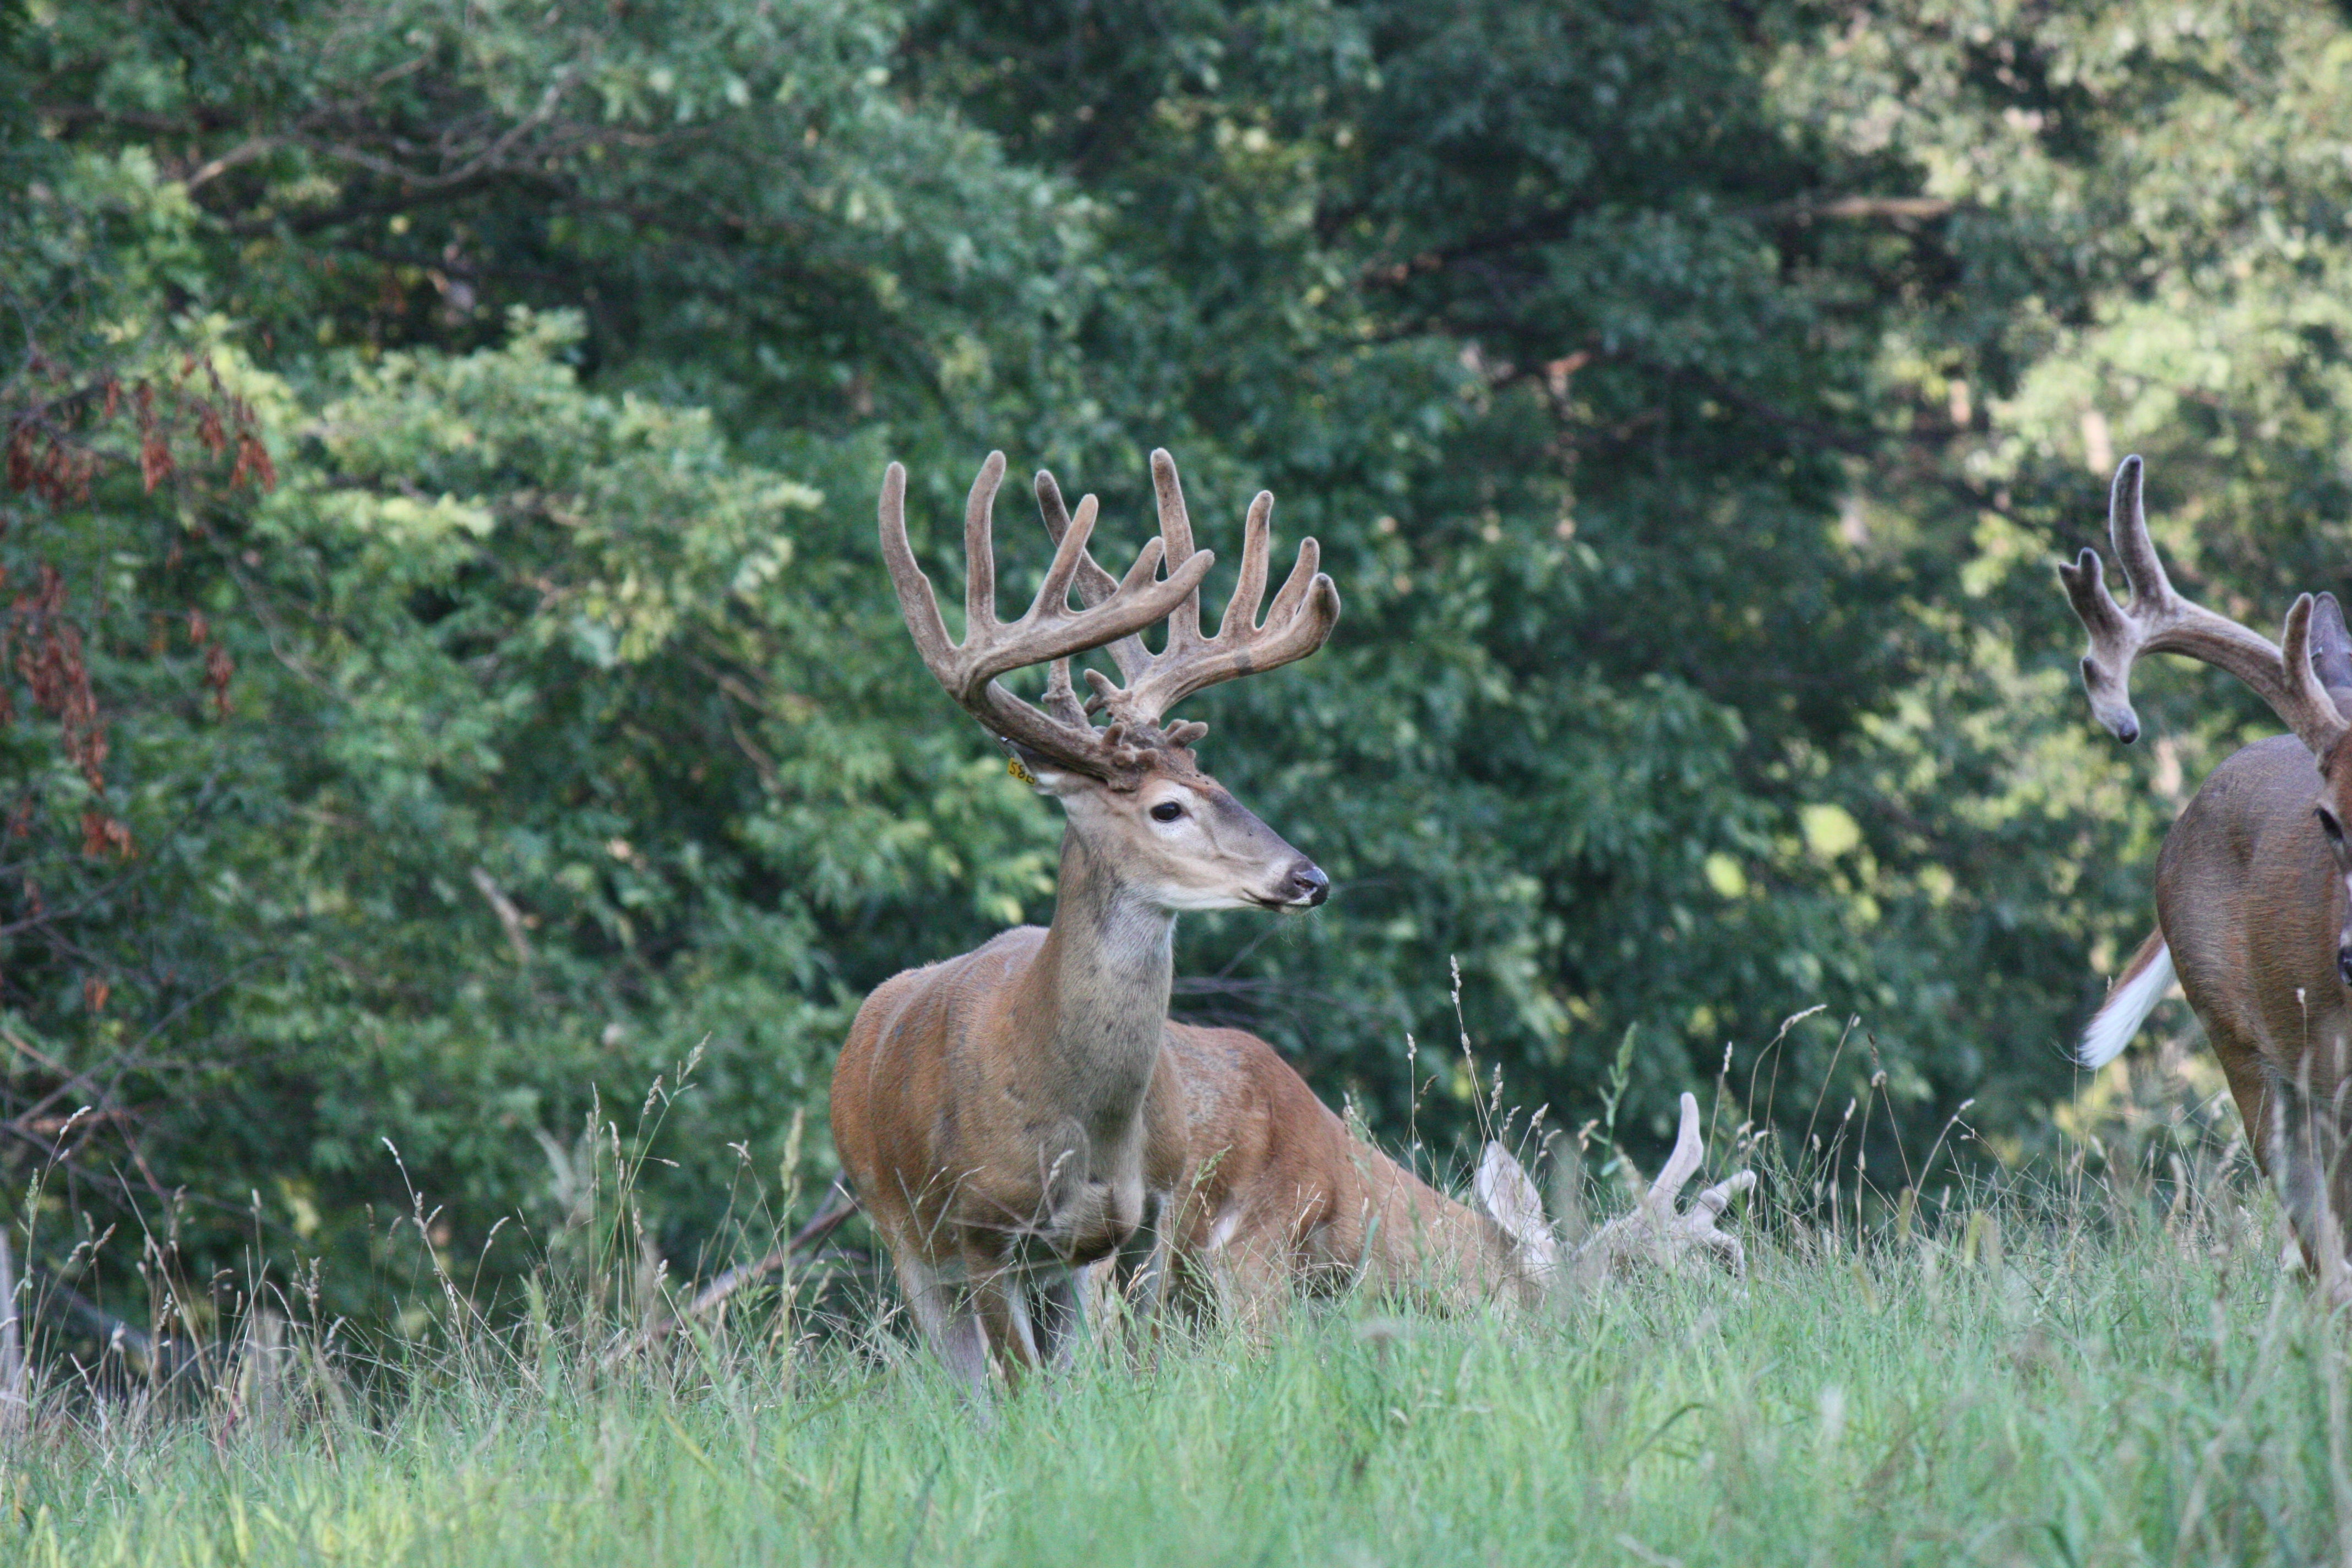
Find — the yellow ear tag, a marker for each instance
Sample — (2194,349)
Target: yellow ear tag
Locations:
(1012,765)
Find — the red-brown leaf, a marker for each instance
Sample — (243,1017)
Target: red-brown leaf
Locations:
(218,668)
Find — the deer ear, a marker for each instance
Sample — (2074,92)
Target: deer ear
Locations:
(1508,1196)
(1034,768)
(2331,651)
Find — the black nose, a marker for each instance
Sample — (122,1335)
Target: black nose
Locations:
(2343,962)
(1309,882)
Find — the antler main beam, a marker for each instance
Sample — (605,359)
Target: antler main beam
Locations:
(1048,632)
(2158,620)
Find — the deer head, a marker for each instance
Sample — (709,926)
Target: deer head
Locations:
(1139,805)
(2306,681)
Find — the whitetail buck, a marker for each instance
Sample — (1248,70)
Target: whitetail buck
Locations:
(2250,887)
(993,1112)
(1275,1197)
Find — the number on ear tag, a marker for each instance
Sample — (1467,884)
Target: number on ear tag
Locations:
(1012,765)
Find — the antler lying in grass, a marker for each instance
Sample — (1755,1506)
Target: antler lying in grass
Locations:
(1654,1231)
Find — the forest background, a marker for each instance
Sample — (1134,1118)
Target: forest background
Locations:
(450,680)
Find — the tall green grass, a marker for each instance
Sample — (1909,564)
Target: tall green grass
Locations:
(1952,1362)
(2068,1377)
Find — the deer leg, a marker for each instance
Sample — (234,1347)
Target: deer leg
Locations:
(951,1326)
(1135,1278)
(2274,1132)
(2331,1116)
(1000,1299)
(2332,1099)
(1251,1275)
(1059,1315)
(1142,1266)
(2310,1155)
(2242,1067)
(1123,1291)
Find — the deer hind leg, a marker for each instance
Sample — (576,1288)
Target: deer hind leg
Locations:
(2277,1133)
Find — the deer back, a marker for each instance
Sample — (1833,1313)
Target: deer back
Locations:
(1273,1194)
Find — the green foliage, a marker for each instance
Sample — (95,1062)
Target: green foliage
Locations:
(1688,398)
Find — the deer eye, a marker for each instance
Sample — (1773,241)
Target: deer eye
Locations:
(2330,827)
(1166,811)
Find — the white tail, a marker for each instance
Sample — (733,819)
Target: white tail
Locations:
(2141,987)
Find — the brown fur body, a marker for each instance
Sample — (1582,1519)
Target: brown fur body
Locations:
(2251,904)
(1271,1195)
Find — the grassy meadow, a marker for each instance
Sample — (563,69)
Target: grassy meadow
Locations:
(2060,1371)
(448,681)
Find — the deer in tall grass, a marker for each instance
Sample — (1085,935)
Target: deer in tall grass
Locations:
(2251,885)
(995,1112)
(1276,1197)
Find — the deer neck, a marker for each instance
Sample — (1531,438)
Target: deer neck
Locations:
(1098,988)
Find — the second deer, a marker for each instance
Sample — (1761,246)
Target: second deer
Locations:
(1277,1197)
(2251,901)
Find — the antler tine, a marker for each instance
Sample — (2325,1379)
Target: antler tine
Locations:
(2158,620)
(1048,633)
(1683,1163)
(1069,554)
(1717,1198)
(2144,574)
(1301,582)
(980,546)
(1094,584)
(917,603)
(1257,545)
(1176,529)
